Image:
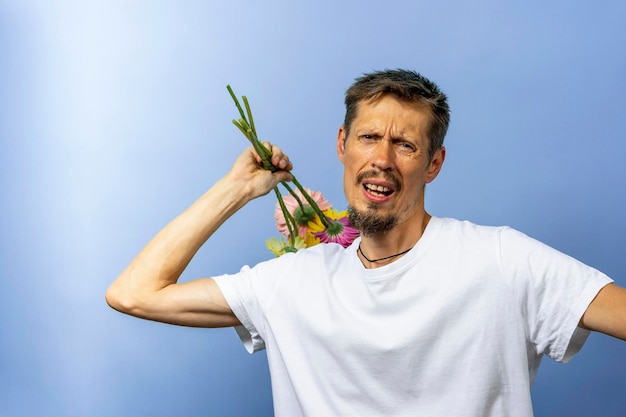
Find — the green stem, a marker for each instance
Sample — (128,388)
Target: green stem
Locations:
(232,94)
(308,198)
(247,128)
(245,102)
(311,202)
(241,124)
(289,219)
(262,151)
(249,131)
(293,194)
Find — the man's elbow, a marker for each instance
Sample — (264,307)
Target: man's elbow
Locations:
(120,299)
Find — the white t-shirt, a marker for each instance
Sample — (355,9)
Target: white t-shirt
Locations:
(456,327)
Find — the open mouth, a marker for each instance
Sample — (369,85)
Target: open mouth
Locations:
(378,190)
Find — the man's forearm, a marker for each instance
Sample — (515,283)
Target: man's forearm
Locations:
(165,257)
(148,286)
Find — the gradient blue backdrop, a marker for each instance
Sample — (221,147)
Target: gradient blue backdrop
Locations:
(114,117)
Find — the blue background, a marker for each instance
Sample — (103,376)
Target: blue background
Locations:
(114,117)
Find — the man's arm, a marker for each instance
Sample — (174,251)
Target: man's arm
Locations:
(148,287)
(607,312)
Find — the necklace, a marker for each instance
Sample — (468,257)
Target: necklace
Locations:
(381,259)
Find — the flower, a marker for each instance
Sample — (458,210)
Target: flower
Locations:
(303,215)
(338,230)
(280,246)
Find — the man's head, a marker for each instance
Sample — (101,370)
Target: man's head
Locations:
(391,145)
(405,85)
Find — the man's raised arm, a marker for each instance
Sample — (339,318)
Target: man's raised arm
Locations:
(148,287)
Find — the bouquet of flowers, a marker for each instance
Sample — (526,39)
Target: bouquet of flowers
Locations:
(303,217)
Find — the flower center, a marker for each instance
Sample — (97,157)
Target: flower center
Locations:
(304,215)
(334,228)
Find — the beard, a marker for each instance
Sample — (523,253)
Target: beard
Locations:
(370,222)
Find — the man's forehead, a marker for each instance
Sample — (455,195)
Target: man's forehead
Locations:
(419,105)
(422,109)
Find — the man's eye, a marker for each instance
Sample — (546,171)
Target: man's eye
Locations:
(406,146)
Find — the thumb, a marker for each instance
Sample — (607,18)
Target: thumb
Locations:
(280,176)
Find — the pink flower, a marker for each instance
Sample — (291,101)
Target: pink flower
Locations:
(302,217)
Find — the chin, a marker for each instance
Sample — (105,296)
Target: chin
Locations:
(370,222)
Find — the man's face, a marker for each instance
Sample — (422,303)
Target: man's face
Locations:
(386,163)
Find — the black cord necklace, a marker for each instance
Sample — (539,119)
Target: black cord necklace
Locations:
(381,259)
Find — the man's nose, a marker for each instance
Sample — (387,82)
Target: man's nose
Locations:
(383,157)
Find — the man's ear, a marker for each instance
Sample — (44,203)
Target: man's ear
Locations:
(341,143)
(436,163)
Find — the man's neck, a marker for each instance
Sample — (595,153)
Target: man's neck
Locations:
(382,249)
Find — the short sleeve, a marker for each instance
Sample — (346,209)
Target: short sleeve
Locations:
(553,291)
(236,291)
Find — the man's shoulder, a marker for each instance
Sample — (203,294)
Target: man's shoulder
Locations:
(464,231)
(450,224)
(322,252)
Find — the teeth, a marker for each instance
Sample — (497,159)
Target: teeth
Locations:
(377,188)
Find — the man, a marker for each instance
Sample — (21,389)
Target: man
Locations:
(421,316)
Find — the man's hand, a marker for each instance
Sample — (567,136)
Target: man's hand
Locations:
(256,181)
